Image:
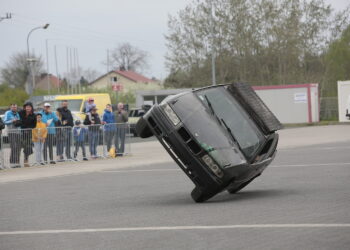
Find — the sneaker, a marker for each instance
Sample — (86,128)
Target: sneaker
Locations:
(85,159)
(60,159)
(52,162)
(42,163)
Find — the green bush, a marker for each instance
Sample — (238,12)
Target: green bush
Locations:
(10,95)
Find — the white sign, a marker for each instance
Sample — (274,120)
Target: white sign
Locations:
(300,98)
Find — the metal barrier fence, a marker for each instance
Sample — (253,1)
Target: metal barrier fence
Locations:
(41,146)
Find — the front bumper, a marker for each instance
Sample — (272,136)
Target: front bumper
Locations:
(187,154)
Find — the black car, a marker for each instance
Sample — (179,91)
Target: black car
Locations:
(222,137)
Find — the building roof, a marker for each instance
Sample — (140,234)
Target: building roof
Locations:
(133,76)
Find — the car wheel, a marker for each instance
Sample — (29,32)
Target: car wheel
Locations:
(142,128)
(199,195)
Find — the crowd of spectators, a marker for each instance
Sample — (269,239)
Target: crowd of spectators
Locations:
(48,129)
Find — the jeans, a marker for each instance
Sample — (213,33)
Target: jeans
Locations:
(64,138)
(49,145)
(119,140)
(93,142)
(38,147)
(108,138)
(15,145)
(77,145)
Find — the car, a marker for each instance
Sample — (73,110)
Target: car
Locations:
(222,137)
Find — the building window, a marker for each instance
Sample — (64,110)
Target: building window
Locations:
(114,79)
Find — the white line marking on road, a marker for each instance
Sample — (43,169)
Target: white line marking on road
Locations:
(141,170)
(272,166)
(312,165)
(128,229)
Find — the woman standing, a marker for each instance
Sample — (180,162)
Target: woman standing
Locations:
(28,122)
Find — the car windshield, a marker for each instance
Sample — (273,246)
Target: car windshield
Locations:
(74,105)
(233,118)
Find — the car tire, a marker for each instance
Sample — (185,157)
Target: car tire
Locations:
(199,195)
(142,128)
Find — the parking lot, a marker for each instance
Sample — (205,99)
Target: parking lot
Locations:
(300,202)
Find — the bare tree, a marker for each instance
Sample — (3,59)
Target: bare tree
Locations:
(128,57)
(90,74)
(16,70)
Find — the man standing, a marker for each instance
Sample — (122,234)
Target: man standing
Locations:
(121,117)
(67,124)
(50,118)
(12,121)
(94,123)
(108,120)
(2,126)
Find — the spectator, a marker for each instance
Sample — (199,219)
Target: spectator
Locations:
(108,120)
(12,121)
(121,119)
(28,122)
(79,133)
(2,126)
(89,104)
(39,135)
(50,118)
(67,123)
(94,122)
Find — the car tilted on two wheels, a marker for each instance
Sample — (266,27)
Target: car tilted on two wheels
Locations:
(222,136)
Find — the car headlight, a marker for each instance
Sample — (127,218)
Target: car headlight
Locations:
(171,114)
(212,165)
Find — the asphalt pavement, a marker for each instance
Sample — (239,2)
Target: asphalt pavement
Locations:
(300,202)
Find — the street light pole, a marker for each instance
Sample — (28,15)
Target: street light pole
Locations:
(30,89)
(213,73)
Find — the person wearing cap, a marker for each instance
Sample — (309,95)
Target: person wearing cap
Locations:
(50,119)
(94,122)
(89,105)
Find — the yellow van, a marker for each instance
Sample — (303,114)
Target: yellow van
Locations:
(76,103)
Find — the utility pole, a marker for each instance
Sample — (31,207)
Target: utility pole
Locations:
(57,70)
(8,16)
(47,67)
(212,45)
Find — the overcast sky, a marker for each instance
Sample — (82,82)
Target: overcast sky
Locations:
(92,27)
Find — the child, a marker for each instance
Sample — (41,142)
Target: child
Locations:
(39,135)
(79,133)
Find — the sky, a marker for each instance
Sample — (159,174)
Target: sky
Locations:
(91,28)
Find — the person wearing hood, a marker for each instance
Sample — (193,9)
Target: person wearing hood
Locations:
(108,120)
(28,122)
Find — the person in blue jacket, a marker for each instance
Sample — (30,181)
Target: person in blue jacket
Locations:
(50,118)
(108,120)
(79,134)
(12,121)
